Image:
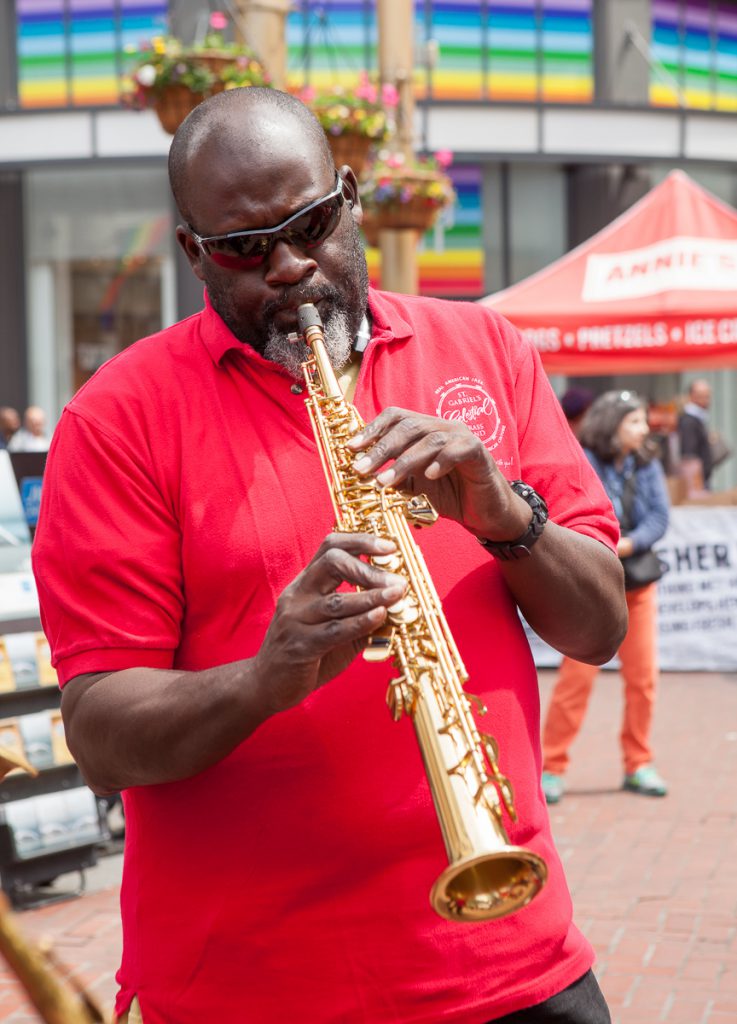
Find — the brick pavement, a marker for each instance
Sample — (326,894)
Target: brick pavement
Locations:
(654,882)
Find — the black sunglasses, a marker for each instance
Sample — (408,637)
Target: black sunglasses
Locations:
(308,227)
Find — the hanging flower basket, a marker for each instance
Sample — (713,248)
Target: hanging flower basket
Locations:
(400,195)
(354,119)
(173,78)
(352,149)
(174,102)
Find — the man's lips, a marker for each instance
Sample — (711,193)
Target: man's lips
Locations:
(286,316)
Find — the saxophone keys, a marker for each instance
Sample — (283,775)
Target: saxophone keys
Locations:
(404,612)
(400,698)
(390,562)
(380,646)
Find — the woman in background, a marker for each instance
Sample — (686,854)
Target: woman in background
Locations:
(614,436)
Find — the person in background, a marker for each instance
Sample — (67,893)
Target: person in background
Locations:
(575,402)
(32,435)
(614,435)
(9,424)
(693,437)
(280,836)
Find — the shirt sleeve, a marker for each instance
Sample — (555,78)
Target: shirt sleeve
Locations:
(652,493)
(551,459)
(106,555)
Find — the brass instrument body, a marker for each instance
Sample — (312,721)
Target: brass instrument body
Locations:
(486,877)
(58,1000)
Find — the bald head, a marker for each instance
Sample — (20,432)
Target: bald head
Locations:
(700,393)
(247,120)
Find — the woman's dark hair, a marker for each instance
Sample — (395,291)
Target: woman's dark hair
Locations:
(598,430)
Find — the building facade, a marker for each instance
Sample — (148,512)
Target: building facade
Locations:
(559,113)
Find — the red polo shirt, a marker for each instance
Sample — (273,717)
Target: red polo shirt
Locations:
(290,881)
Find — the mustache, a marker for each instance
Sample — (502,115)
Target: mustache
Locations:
(295,295)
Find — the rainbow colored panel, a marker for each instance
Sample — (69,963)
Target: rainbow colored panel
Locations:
(330,43)
(665,77)
(458,30)
(566,51)
(695,47)
(72,52)
(725,57)
(512,50)
(451,255)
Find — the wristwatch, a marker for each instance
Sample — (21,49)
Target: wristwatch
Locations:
(512,550)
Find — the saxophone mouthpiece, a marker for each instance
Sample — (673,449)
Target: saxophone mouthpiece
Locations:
(308,316)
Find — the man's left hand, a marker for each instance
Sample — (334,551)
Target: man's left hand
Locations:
(446,461)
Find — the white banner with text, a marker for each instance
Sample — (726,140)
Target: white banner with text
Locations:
(697,597)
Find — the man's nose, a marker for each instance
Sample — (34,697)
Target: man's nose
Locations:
(288,264)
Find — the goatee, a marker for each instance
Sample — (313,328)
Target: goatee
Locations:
(291,354)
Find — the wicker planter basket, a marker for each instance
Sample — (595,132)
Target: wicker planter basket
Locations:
(350,148)
(174,102)
(416,215)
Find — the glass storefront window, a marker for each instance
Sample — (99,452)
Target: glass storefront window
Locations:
(100,271)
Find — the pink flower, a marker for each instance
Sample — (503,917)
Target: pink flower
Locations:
(389,95)
(395,160)
(218,21)
(307,94)
(366,91)
(444,158)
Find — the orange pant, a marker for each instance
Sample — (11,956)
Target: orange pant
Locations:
(569,700)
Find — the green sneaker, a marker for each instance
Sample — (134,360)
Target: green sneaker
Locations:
(645,781)
(553,787)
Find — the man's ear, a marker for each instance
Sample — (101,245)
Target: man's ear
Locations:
(191,250)
(353,201)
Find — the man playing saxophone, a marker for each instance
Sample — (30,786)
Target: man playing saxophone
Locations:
(280,833)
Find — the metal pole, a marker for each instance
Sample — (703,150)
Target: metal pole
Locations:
(399,271)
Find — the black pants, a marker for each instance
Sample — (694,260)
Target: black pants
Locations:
(580,1003)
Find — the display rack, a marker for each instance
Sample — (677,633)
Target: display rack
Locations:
(51,823)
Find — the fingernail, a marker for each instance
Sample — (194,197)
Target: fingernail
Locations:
(355,440)
(393,593)
(362,464)
(386,477)
(385,545)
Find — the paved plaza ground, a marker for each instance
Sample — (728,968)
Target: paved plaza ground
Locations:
(654,881)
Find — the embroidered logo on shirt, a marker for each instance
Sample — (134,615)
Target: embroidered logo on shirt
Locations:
(466,399)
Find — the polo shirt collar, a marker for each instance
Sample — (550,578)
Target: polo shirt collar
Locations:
(387,325)
(216,336)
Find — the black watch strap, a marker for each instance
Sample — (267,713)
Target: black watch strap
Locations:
(512,550)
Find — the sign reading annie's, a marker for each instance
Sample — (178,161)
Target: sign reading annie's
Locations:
(691,264)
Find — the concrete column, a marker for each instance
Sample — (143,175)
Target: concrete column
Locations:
(622,32)
(597,193)
(13,340)
(399,272)
(188,288)
(262,25)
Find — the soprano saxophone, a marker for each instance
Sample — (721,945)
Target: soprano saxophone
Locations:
(486,877)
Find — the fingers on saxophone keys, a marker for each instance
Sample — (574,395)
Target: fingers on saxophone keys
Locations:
(368,604)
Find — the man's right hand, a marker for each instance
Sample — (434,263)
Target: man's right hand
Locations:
(317,629)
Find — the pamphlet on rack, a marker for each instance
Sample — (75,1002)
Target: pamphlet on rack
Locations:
(18,597)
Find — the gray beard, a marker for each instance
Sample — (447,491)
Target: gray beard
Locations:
(291,354)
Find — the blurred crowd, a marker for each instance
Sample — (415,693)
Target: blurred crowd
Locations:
(26,435)
(688,447)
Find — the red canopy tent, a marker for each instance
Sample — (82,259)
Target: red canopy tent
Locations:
(654,291)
